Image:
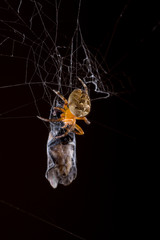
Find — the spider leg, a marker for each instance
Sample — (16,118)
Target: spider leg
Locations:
(84,85)
(84,119)
(79,129)
(69,129)
(63,98)
(65,125)
(51,120)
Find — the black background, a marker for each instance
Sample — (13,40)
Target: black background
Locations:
(105,200)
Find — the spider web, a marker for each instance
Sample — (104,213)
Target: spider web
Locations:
(31,33)
(44,49)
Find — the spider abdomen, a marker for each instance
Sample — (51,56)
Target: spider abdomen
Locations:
(79,103)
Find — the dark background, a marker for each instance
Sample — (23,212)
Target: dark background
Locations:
(105,201)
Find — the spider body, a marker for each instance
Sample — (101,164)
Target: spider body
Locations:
(79,103)
(76,108)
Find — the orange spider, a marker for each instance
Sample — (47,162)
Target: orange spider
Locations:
(76,108)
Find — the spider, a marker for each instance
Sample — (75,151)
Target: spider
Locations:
(76,108)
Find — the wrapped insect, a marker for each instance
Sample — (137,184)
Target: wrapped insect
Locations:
(61,154)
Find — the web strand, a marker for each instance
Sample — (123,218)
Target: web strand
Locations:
(40,219)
